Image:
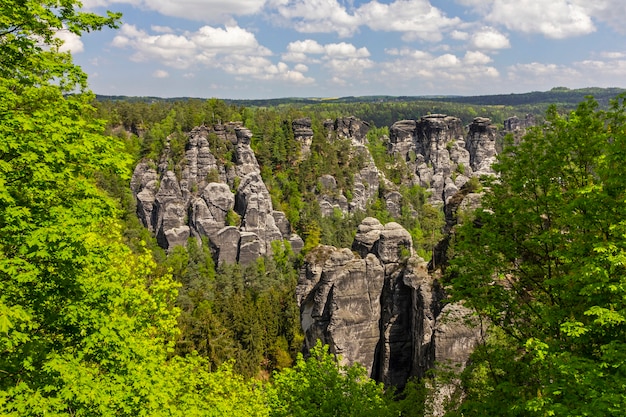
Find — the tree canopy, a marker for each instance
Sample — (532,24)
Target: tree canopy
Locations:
(543,261)
(86,325)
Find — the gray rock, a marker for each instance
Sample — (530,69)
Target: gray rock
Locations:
(227,243)
(348,128)
(481,144)
(303,133)
(282,223)
(253,203)
(380,308)
(250,248)
(367,235)
(296,243)
(175,209)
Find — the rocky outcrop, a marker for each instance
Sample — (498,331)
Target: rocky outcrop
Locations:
(193,197)
(365,182)
(303,134)
(377,305)
(442,154)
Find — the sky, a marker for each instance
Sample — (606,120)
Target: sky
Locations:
(251,49)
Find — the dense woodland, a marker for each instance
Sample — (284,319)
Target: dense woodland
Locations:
(97,319)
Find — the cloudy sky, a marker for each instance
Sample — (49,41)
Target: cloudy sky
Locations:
(335,48)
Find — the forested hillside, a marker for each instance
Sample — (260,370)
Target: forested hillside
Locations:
(464,256)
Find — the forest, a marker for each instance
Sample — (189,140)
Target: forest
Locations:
(97,319)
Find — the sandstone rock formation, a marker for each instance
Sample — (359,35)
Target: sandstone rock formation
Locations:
(303,133)
(366,180)
(442,154)
(199,201)
(378,305)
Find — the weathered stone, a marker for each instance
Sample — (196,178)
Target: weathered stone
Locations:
(227,243)
(196,205)
(481,144)
(330,197)
(282,223)
(296,243)
(456,335)
(395,244)
(348,128)
(367,235)
(366,184)
(381,309)
(393,201)
(253,203)
(249,248)
(303,133)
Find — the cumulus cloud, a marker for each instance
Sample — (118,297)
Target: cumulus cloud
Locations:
(71,42)
(476,58)
(345,50)
(543,76)
(613,55)
(183,50)
(609,11)
(556,19)
(459,35)
(416,19)
(316,16)
(200,10)
(231,49)
(414,66)
(343,60)
(489,38)
(161,29)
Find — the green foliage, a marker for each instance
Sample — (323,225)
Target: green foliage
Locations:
(247,314)
(320,386)
(232,218)
(543,261)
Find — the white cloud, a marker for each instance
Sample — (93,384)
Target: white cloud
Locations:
(459,35)
(556,19)
(489,38)
(301,68)
(199,10)
(71,42)
(609,72)
(613,55)
(476,58)
(316,16)
(300,51)
(537,75)
(231,49)
(609,11)
(345,50)
(183,51)
(160,74)
(417,19)
(417,67)
(307,46)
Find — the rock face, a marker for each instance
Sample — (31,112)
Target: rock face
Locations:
(199,201)
(366,181)
(443,154)
(303,133)
(377,305)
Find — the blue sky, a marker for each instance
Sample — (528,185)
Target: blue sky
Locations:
(334,48)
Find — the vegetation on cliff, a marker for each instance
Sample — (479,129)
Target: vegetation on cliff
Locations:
(96,319)
(543,262)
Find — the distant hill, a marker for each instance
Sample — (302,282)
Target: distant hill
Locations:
(557,95)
